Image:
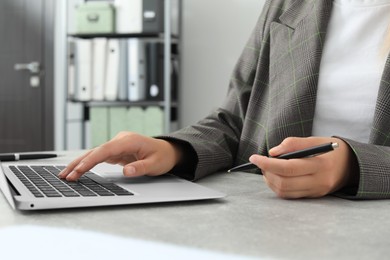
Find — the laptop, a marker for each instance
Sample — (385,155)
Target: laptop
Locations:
(37,187)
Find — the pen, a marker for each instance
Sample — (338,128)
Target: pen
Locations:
(308,152)
(6,157)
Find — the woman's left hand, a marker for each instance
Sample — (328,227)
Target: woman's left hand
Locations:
(307,177)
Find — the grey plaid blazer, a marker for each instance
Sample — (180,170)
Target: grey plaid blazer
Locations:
(272,95)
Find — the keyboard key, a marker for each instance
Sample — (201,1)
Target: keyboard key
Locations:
(44,181)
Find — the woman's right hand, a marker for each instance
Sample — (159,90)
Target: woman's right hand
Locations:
(140,155)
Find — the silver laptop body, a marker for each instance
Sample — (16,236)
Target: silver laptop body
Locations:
(165,188)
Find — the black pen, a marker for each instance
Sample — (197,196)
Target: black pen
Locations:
(308,152)
(7,157)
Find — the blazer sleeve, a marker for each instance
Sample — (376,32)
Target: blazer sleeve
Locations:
(373,172)
(213,141)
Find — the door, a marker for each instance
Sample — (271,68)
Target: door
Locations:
(26,75)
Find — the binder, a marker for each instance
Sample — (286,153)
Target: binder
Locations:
(123,69)
(112,71)
(74,119)
(99,125)
(84,70)
(117,121)
(155,71)
(71,70)
(135,120)
(128,16)
(99,68)
(153,121)
(136,66)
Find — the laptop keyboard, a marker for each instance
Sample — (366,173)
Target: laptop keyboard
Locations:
(43,181)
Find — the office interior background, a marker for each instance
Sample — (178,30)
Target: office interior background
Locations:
(211,36)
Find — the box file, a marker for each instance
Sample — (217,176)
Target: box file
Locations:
(153,16)
(139,16)
(95,17)
(128,16)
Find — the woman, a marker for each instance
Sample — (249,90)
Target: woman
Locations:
(302,80)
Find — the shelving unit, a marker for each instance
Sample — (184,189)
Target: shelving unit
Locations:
(169,106)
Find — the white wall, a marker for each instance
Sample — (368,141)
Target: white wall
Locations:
(214,33)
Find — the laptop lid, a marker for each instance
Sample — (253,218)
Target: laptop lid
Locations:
(165,188)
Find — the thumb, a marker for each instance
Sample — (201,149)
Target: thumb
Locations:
(137,168)
(141,168)
(290,144)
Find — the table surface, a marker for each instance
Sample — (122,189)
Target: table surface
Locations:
(249,221)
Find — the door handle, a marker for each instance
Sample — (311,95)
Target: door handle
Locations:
(33,67)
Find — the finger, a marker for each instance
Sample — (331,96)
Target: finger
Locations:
(295,187)
(289,144)
(105,152)
(292,144)
(282,167)
(122,159)
(141,168)
(69,168)
(123,145)
(86,163)
(288,184)
(285,189)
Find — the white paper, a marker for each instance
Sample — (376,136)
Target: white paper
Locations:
(35,242)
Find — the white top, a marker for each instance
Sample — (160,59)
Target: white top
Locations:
(351,68)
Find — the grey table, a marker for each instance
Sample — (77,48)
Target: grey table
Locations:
(250,221)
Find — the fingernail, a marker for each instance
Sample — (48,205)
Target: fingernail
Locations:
(61,173)
(274,151)
(255,159)
(71,176)
(129,171)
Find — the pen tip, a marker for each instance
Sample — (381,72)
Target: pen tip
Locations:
(228,171)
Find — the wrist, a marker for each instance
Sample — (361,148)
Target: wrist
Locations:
(176,151)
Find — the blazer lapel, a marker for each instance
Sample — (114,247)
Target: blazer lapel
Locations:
(296,44)
(380,133)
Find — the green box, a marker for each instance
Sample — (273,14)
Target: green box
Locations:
(95,17)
